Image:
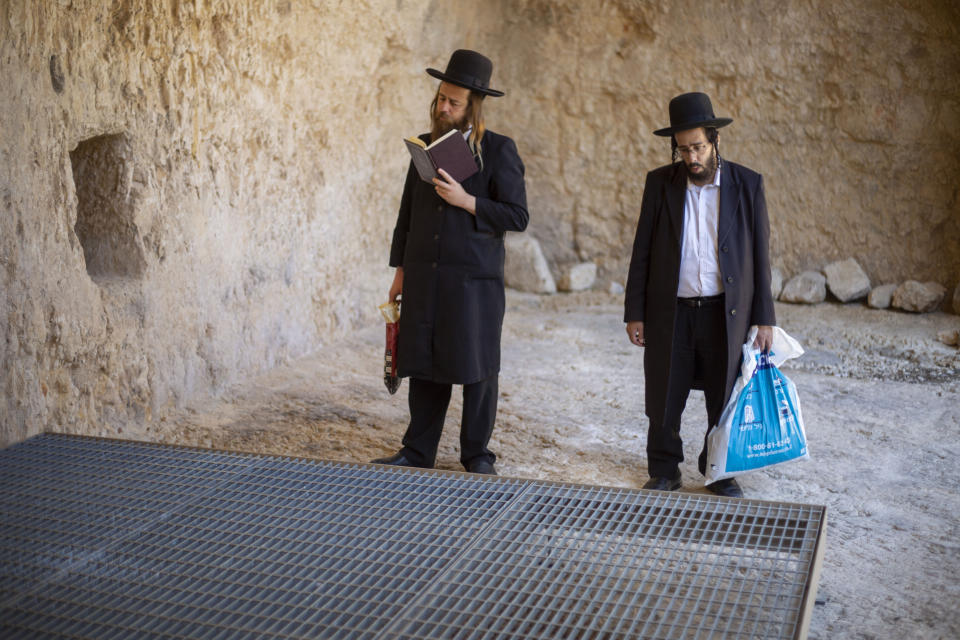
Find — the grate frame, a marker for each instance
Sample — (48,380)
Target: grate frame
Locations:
(109,538)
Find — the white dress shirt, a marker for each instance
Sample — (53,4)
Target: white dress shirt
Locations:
(699,263)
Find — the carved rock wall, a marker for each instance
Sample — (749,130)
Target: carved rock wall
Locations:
(192,191)
(848,108)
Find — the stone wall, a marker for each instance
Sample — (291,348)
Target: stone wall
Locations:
(849,109)
(193,191)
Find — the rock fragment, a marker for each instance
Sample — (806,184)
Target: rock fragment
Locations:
(950,337)
(776,282)
(919,297)
(809,287)
(847,280)
(881,296)
(577,277)
(525,268)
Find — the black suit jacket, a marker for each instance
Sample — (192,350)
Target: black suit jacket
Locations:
(453,299)
(743,231)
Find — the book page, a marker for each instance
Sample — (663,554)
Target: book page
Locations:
(439,140)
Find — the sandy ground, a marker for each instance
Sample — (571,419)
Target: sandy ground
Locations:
(880,398)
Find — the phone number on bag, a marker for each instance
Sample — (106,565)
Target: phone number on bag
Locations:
(764,446)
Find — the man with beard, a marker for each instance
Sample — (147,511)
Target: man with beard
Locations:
(699,278)
(448,252)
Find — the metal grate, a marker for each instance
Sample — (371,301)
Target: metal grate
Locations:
(113,539)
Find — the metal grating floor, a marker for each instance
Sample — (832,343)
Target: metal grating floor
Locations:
(116,539)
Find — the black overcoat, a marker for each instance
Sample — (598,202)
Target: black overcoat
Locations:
(451,312)
(743,231)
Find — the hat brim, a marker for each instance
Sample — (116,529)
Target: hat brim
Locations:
(442,76)
(716,122)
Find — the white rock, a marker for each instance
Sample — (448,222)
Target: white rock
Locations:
(525,268)
(776,282)
(919,297)
(578,277)
(881,296)
(847,280)
(615,289)
(809,287)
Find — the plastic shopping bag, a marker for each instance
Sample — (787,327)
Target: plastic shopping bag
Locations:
(761,426)
(391,313)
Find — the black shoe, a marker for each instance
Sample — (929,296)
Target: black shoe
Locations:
(481,465)
(399,460)
(660,483)
(727,488)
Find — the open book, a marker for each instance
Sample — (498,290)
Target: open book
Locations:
(449,152)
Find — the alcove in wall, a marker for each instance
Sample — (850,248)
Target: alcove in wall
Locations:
(102,168)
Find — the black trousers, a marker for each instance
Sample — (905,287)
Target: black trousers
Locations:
(699,354)
(428,409)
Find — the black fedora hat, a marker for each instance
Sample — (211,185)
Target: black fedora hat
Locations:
(470,70)
(689,111)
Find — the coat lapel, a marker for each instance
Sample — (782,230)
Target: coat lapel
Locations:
(676,196)
(729,201)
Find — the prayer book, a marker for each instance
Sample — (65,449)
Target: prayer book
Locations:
(449,152)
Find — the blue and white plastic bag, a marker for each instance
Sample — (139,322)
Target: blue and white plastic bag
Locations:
(761,426)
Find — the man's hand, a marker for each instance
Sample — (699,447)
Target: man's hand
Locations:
(397,287)
(764,339)
(635,333)
(452,192)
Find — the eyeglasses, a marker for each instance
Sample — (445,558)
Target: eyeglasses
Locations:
(693,149)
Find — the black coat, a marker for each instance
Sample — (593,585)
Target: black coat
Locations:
(451,312)
(743,232)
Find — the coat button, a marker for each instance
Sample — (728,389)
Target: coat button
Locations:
(439,207)
(733,312)
(729,278)
(434,265)
(436,236)
(725,249)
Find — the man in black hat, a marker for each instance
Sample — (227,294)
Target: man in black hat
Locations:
(699,278)
(448,252)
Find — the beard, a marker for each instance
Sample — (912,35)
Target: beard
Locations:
(701,174)
(441,125)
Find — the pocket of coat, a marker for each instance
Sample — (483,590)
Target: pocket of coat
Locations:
(483,291)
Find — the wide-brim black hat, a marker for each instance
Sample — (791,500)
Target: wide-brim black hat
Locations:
(689,111)
(470,70)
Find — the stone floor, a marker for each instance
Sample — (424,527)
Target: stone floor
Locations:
(880,399)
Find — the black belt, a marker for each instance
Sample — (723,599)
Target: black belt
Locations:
(701,302)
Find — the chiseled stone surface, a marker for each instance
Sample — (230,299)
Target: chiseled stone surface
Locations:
(192,192)
(822,95)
